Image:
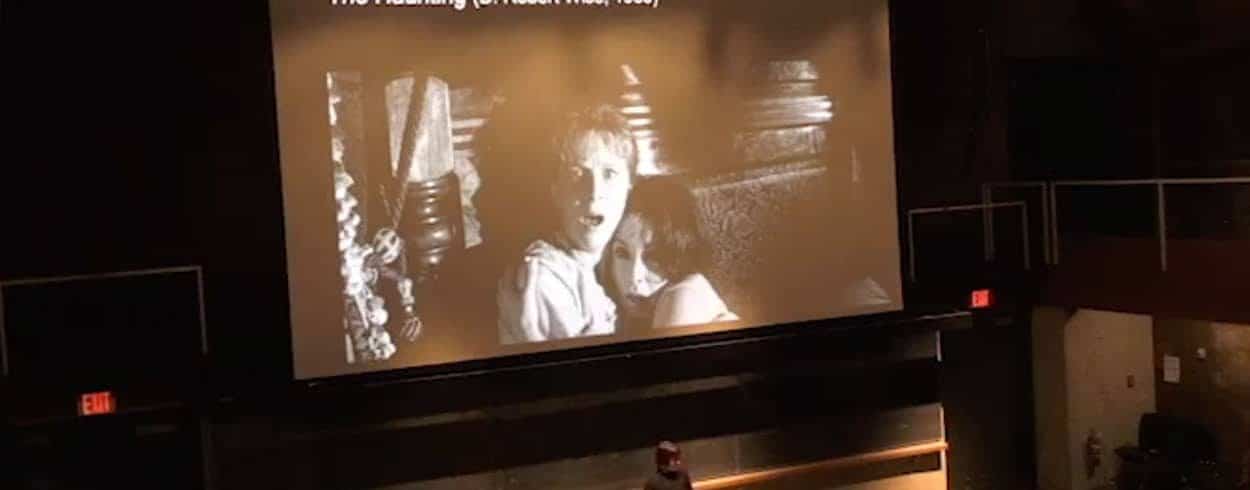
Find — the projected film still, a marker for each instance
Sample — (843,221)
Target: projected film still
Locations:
(472,180)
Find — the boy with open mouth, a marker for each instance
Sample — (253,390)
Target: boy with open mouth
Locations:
(554,292)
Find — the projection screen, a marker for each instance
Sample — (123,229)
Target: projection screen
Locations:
(476,179)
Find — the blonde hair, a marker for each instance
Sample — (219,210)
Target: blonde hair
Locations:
(606,125)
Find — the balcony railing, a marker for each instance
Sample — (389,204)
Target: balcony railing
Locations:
(1050,204)
(987,209)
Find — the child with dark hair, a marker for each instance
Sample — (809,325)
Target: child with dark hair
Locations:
(670,470)
(553,292)
(657,258)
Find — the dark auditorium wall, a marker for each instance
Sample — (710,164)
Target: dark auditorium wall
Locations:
(950,100)
(1110,89)
(1213,391)
(987,396)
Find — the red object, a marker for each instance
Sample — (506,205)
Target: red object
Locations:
(98,403)
(982,298)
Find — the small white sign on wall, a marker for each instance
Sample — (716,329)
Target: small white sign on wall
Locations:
(1171,369)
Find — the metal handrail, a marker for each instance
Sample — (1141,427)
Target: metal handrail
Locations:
(986,207)
(1050,200)
(987,197)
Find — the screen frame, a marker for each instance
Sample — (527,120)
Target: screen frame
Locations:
(898,323)
(899,318)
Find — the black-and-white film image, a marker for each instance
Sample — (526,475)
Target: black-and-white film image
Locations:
(462,185)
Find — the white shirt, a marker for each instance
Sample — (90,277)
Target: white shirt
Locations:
(692,301)
(551,296)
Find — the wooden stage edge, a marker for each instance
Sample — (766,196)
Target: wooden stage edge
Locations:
(737,481)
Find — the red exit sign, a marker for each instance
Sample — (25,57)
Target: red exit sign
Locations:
(98,403)
(982,298)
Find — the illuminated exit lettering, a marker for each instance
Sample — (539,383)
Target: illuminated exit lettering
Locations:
(982,298)
(98,403)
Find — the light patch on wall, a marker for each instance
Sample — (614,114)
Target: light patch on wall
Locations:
(1100,349)
(1231,347)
